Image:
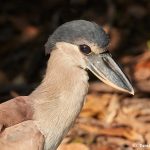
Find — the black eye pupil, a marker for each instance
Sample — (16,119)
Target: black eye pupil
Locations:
(85,49)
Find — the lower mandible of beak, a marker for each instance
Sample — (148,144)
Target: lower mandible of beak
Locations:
(106,69)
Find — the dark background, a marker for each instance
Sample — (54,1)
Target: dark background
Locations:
(26,25)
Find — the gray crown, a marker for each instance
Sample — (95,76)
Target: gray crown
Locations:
(72,31)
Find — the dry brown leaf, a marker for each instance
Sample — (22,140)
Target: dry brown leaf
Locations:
(101,147)
(143,85)
(141,109)
(120,131)
(147,136)
(94,105)
(142,70)
(111,110)
(73,146)
(120,141)
(135,113)
(130,121)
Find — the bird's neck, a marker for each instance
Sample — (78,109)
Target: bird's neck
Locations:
(59,99)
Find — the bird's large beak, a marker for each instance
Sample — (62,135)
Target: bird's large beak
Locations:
(105,68)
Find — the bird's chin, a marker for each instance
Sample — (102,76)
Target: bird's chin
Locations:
(105,68)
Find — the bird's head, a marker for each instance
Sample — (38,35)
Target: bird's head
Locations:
(86,43)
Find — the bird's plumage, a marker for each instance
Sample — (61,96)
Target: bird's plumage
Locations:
(41,120)
(60,97)
(17,129)
(15,111)
(22,136)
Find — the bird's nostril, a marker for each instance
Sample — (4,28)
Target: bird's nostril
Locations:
(105,52)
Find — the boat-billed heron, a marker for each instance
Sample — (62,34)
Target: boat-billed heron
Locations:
(41,120)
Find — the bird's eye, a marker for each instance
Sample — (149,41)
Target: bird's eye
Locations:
(85,49)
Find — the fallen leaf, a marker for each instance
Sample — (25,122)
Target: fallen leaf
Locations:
(125,132)
(95,105)
(73,146)
(111,110)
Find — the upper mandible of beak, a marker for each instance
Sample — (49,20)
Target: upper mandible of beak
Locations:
(104,67)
